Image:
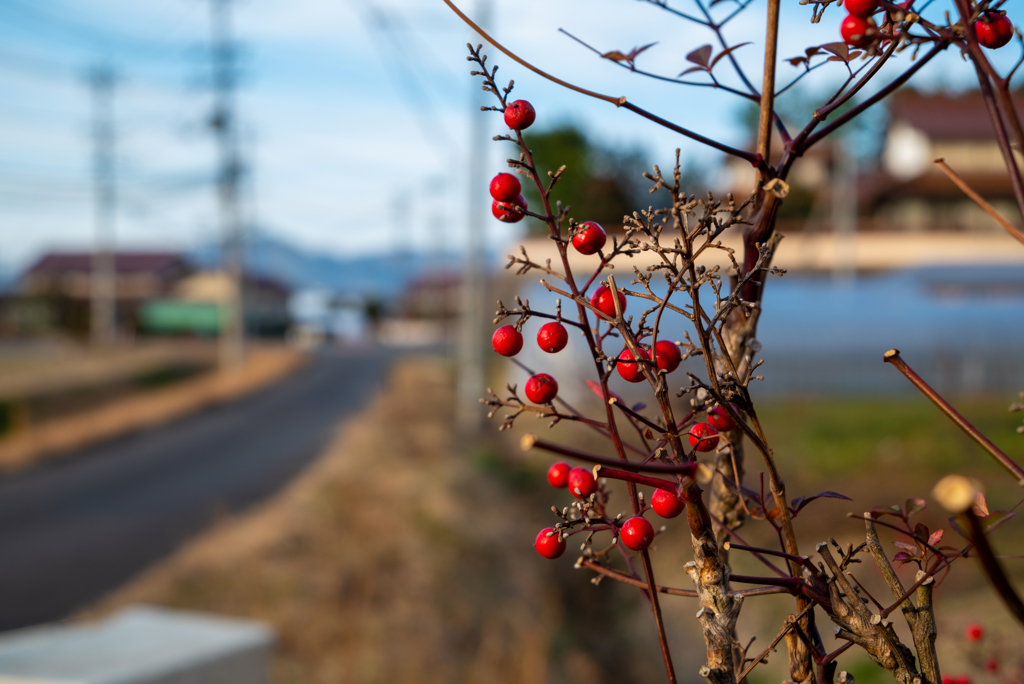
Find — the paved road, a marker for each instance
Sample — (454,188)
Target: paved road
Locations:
(76,528)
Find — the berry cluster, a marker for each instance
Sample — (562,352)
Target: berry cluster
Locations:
(636,533)
(859,29)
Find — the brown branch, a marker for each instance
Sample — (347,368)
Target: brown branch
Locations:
(617,101)
(764,125)
(893,356)
(993,568)
(853,113)
(989,209)
(791,622)
(658,622)
(530,441)
(671,591)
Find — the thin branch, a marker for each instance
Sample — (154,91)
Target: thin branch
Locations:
(617,101)
(893,356)
(993,568)
(530,441)
(989,209)
(771,41)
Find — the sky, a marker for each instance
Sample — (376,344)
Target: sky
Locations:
(354,114)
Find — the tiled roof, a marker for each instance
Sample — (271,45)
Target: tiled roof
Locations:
(124,262)
(947,117)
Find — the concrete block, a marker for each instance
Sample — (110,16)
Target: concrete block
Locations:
(140,645)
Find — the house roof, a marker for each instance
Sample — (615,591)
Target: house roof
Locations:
(56,263)
(947,117)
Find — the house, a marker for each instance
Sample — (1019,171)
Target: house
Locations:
(910,192)
(64,280)
(196,304)
(903,190)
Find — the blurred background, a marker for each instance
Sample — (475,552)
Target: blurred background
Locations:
(247,273)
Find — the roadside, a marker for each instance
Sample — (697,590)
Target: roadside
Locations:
(136,411)
(393,558)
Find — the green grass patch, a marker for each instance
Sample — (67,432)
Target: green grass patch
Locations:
(835,436)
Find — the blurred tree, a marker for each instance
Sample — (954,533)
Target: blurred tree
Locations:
(599,184)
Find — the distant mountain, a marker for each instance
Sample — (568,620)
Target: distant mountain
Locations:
(381,276)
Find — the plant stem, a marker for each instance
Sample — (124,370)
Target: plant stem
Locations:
(893,356)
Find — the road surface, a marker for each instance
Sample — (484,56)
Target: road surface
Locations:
(75,528)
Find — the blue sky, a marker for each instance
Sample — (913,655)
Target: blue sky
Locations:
(354,112)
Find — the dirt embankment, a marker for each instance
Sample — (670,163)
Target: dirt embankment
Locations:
(393,559)
(54,437)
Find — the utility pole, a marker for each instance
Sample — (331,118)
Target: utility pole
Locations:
(103,283)
(469,415)
(225,128)
(844,209)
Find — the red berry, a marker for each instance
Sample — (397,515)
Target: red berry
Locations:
(503,211)
(667,356)
(948,679)
(666,504)
(505,187)
(552,337)
(507,341)
(962,679)
(861,8)
(994,30)
(858,32)
(603,302)
(558,475)
(541,388)
(631,371)
(703,437)
(992,664)
(590,239)
(583,480)
(549,547)
(637,533)
(720,419)
(519,115)
(974,632)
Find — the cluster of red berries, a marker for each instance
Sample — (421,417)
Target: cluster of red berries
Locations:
(636,533)
(667,357)
(552,338)
(704,436)
(506,190)
(859,29)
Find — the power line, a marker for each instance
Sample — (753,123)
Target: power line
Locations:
(99,36)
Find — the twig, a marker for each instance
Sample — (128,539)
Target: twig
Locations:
(989,209)
(893,356)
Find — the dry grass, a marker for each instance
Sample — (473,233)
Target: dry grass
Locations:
(395,560)
(389,560)
(51,438)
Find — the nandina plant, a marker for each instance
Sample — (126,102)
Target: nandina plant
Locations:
(696,462)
